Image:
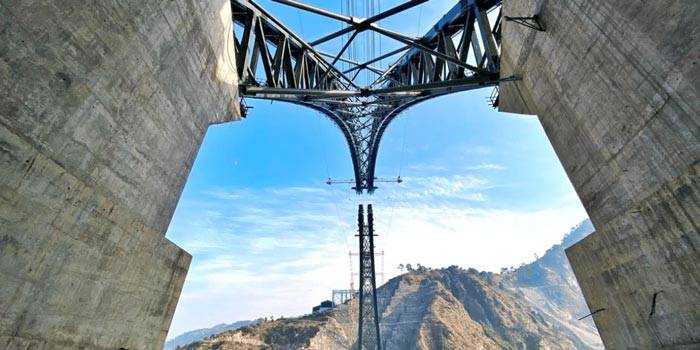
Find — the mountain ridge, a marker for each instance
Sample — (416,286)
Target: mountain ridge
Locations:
(199,334)
(533,306)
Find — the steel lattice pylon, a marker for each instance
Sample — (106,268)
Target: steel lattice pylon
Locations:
(368,336)
(460,52)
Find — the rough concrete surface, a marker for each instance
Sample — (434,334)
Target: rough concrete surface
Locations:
(103,106)
(616,86)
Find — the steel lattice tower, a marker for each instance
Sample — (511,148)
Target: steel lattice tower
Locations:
(368,327)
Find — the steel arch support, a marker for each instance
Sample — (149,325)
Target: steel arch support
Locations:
(431,66)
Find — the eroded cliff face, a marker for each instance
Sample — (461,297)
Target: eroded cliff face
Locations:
(549,285)
(533,307)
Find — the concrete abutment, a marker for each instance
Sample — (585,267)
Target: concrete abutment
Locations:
(103,106)
(616,86)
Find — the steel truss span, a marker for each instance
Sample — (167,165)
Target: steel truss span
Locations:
(460,52)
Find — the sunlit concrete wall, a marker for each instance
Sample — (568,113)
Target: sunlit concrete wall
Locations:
(616,85)
(103,106)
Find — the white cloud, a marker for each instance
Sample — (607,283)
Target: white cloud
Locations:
(258,257)
(486,239)
(432,168)
(468,151)
(428,189)
(450,186)
(221,289)
(427,168)
(485,166)
(225,195)
(267,243)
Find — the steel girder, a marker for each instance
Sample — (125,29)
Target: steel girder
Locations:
(460,52)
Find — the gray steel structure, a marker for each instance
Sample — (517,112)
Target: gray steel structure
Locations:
(460,52)
(368,336)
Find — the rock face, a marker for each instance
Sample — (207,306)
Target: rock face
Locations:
(532,307)
(199,334)
(549,285)
(103,106)
(616,86)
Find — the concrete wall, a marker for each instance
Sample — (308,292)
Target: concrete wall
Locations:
(616,85)
(103,105)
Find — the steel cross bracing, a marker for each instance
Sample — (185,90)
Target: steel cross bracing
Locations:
(460,52)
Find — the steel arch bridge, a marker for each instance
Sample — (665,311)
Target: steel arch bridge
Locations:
(460,52)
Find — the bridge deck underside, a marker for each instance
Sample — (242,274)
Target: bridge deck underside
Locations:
(459,53)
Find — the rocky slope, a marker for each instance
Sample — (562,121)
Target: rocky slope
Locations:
(549,285)
(532,307)
(199,334)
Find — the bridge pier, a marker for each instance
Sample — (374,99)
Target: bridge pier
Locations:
(103,106)
(615,85)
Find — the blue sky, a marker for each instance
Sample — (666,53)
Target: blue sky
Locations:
(268,237)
